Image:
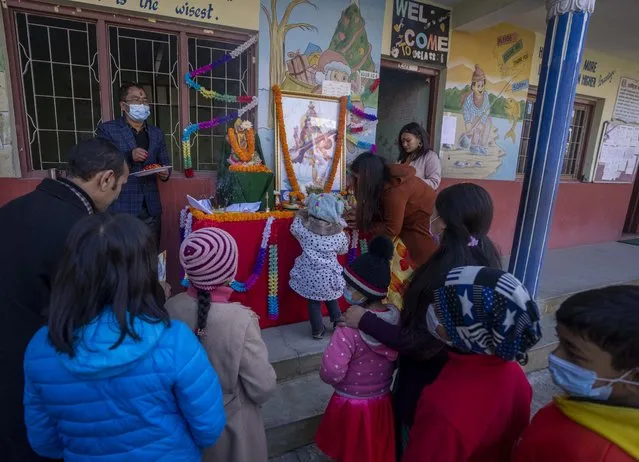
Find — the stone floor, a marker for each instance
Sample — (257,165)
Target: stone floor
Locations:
(543,391)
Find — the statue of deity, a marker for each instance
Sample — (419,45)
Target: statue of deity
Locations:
(244,144)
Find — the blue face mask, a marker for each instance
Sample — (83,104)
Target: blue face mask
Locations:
(349,297)
(579,382)
(139,112)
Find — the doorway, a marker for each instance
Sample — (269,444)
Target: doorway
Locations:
(406,94)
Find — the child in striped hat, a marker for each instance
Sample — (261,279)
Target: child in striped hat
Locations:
(231,336)
(358,423)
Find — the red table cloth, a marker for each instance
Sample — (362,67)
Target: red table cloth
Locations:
(248,234)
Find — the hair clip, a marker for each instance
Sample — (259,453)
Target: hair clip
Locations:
(200,333)
(473,242)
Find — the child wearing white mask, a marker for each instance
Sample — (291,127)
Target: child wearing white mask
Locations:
(597,365)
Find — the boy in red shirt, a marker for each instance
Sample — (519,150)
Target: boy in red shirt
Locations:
(480,404)
(597,364)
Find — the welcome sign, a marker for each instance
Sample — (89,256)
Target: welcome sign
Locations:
(421,32)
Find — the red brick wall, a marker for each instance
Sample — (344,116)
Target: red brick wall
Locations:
(586,213)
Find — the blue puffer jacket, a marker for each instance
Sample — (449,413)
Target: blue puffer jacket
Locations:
(158,399)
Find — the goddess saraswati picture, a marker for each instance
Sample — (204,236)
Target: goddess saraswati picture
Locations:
(311,126)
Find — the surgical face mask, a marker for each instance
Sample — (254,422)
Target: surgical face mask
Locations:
(349,296)
(432,323)
(579,382)
(139,112)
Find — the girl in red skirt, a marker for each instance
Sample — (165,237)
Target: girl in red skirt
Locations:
(358,423)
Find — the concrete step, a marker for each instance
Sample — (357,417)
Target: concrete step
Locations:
(293,351)
(292,415)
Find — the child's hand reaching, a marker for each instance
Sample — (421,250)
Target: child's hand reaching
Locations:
(353,315)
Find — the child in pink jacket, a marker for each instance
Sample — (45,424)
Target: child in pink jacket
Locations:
(358,423)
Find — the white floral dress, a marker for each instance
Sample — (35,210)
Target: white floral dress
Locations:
(317,275)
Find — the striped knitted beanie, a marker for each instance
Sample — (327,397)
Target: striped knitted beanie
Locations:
(370,273)
(209,258)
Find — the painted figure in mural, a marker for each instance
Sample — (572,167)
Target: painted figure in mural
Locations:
(476,108)
(333,66)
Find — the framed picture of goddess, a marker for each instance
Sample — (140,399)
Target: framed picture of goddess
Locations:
(311,124)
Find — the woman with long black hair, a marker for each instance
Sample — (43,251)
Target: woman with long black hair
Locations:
(462,219)
(111,378)
(392,201)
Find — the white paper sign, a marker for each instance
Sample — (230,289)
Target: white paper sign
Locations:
(449,128)
(332,88)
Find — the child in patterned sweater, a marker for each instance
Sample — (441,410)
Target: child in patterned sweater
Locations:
(317,275)
(358,423)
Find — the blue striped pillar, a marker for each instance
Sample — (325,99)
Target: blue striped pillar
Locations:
(565,36)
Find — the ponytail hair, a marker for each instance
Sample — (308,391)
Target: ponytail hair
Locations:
(467,211)
(203,307)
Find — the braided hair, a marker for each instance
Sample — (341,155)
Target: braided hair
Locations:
(203,307)
(467,211)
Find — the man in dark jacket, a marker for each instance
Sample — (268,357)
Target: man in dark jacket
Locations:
(143,144)
(33,231)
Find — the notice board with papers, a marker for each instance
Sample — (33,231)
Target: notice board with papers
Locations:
(618,151)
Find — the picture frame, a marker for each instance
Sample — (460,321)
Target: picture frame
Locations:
(311,124)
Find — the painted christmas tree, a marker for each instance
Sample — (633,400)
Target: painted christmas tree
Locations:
(350,39)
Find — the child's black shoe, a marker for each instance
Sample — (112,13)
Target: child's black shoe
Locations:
(320,334)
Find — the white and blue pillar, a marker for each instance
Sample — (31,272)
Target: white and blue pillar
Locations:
(565,36)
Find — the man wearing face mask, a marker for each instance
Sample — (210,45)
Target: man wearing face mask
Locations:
(32,237)
(143,144)
(597,365)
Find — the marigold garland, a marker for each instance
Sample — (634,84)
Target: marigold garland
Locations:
(281,129)
(239,216)
(341,128)
(249,168)
(245,155)
(288,165)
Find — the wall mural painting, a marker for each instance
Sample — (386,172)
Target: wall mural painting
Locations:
(321,47)
(485,97)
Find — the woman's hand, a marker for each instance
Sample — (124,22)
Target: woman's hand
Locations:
(353,315)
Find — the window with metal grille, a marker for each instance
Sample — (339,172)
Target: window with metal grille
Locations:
(60,98)
(230,78)
(149,59)
(58,60)
(578,134)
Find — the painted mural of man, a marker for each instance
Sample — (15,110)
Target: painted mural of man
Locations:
(476,109)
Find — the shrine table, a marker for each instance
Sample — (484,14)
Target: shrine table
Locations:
(248,234)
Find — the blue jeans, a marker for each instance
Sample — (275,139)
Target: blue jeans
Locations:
(315,313)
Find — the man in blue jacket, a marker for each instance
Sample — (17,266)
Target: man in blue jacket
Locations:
(143,144)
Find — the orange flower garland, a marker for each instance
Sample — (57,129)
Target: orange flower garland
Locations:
(341,128)
(288,165)
(238,216)
(249,168)
(245,155)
